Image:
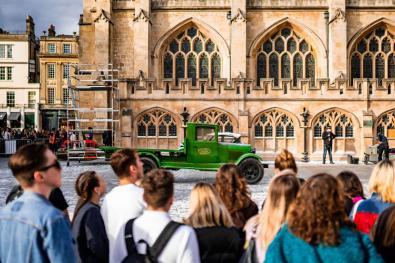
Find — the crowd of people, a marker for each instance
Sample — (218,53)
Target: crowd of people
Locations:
(324,218)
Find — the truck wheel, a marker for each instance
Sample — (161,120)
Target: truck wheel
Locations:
(252,170)
(148,164)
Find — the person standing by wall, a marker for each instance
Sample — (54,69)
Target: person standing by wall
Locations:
(327,137)
(383,147)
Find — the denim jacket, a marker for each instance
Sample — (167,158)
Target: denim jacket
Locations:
(32,230)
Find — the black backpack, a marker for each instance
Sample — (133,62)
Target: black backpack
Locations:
(152,253)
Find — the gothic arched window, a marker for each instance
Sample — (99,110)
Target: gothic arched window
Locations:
(194,55)
(340,123)
(156,123)
(284,125)
(215,116)
(371,54)
(289,56)
(385,122)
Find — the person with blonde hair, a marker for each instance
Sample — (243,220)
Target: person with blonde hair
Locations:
(219,240)
(262,228)
(382,188)
(233,191)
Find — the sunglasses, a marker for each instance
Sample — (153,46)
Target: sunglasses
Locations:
(55,165)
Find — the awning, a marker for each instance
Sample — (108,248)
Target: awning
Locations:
(14,116)
(2,115)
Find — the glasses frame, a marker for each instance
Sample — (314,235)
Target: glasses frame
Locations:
(56,165)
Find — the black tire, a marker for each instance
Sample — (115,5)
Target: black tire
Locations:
(252,170)
(148,164)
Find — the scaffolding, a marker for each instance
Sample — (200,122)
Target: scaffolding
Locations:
(93,107)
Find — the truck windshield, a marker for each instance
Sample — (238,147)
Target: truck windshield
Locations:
(204,134)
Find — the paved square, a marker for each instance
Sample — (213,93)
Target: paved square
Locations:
(185,180)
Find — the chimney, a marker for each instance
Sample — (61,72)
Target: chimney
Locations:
(29,25)
(51,31)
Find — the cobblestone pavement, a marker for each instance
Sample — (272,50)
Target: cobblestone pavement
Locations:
(185,180)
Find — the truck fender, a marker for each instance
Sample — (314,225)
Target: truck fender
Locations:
(152,156)
(248,155)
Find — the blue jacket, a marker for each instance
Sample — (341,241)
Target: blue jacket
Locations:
(355,247)
(32,230)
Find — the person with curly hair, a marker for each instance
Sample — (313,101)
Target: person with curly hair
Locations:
(232,188)
(219,240)
(382,187)
(319,230)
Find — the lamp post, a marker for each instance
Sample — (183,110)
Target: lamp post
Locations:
(185,115)
(305,114)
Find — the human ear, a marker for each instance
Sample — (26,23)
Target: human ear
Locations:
(38,177)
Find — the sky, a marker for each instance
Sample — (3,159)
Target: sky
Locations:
(63,14)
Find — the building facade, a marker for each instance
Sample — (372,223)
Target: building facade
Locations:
(19,73)
(276,71)
(58,57)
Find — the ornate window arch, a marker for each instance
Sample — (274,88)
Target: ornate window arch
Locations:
(286,54)
(156,123)
(341,124)
(373,56)
(215,116)
(274,124)
(191,54)
(385,122)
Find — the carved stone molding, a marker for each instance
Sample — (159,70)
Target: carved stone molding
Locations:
(142,17)
(103,16)
(239,17)
(338,16)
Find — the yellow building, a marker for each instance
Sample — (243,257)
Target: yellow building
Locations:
(57,52)
(252,66)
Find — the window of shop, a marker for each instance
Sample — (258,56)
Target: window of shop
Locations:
(31,99)
(51,96)
(51,48)
(10,99)
(51,71)
(67,48)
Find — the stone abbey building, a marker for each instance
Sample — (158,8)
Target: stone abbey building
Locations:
(275,71)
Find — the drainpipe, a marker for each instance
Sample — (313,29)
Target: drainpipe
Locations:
(326,16)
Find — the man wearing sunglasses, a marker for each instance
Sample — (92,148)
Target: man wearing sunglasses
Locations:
(31,229)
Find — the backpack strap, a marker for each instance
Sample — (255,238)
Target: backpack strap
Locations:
(129,241)
(163,239)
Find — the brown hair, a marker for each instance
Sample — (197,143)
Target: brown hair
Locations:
(121,161)
(158,187)
(282,192)
(285,160)
(383,232)
(27,160)
(207,208)
(84,186)
(351,184)
(232,187)
(318,211)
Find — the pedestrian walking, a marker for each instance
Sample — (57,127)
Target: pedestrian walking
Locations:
(383,147)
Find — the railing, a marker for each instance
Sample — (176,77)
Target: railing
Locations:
(10,146)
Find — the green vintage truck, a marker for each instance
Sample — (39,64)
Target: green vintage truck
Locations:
(202,150)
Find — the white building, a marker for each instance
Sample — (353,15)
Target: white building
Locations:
(19,81)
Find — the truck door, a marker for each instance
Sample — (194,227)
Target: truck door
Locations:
(204,147)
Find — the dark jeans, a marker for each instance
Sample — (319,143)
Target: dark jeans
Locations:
(329,150)
(385,149)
